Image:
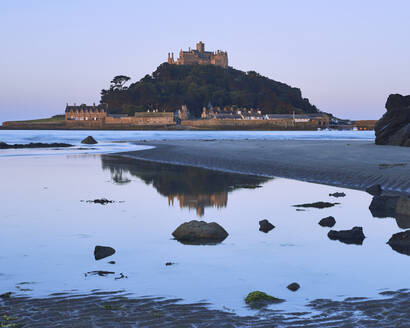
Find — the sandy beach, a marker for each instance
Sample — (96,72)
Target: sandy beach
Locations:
(350,164)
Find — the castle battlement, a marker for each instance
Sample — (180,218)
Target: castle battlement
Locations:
(199,56)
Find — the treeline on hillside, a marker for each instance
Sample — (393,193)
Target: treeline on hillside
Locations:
(171,86)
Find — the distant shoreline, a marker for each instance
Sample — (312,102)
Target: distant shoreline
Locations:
(349,164)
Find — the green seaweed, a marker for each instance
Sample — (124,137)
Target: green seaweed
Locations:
(4,323)
(258,299)
(112,307)
(6,295)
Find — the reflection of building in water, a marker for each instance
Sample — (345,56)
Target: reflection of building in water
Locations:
(200,201)
(194,188)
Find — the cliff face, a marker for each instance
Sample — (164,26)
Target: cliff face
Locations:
(394,127)
(171,86)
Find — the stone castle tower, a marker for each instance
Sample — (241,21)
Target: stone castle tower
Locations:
(200,57)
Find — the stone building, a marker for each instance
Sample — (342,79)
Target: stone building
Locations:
(86,113)
(199,56)
(97,116)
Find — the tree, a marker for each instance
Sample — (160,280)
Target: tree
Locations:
(171,86)
(118,82)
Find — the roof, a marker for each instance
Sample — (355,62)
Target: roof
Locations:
(84,107)
(310,116)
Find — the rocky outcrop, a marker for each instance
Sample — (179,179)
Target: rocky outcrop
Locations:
(200,233)
(397,207)
(394,126)
(327,222)
(375,190)
(89,141)
(265,226)
(4,145)
(353,236)
(400,242)
(101,252)
(317,205)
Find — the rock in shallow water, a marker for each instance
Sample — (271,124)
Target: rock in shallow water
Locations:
(101,252)
(374,190)
(200,233)
(317,205)
(294,286)
(265,226)
(353,236)
(89,141)
(258,299)
(337,194)
(4,145)
(400,242)
(397,207)
(327,222)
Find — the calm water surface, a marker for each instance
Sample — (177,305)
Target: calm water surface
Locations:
(49,233)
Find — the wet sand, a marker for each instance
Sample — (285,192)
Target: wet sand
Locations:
(350,164)
(116,310)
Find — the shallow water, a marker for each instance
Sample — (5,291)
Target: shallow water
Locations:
(74,137)
(49,233)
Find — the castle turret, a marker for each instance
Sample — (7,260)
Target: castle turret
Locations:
(200,47)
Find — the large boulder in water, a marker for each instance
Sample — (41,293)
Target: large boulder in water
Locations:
(89,141)
(265,226)
(394,126)
(400,242)
(352,236)
(200,233)
(101,252)
(327,222)
(397,207)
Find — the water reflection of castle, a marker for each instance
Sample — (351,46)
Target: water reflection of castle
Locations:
(200,201)
(194,188)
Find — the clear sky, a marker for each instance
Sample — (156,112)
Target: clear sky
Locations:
(346,56)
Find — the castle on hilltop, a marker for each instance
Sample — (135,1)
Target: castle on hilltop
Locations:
(200,57)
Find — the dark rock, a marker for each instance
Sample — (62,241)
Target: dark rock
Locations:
(317,205)
(375,190)
(258,299)
(338,194)
(199,232)
(169,263)
(327,222)
(383,206)
(265,226)
(5,295)
(99,273)
(400,242)
(121,276)
(397,207)
(102,201)
(4,145)
(353,236)
(101,252)
(89,141)
(294,286)
(394,126)
(111,262)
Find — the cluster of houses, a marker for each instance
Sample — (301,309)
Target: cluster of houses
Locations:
(97,115)
(235,113)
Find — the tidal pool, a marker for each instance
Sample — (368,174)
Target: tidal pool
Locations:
(49,231)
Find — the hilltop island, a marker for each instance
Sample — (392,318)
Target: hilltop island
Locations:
(197,91)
